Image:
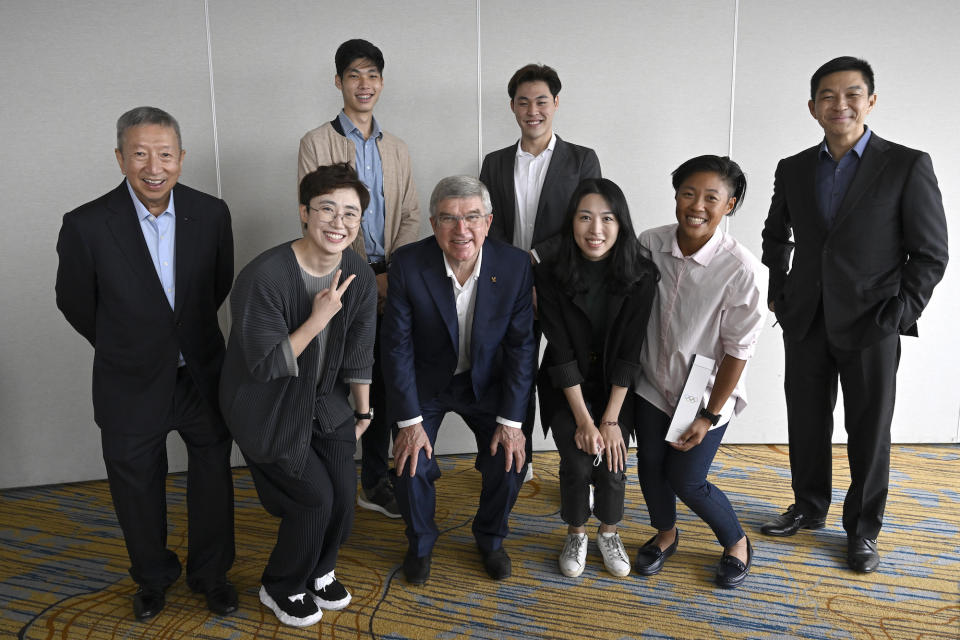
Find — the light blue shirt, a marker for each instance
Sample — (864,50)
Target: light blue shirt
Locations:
(370,172)
(159,232)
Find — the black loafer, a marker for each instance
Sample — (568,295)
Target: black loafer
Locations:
(147,602)
(497,563)
(862,554)
(791,522)
(731,572)
(416,568)
(650,558)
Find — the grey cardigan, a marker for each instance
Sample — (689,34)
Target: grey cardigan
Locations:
(268,408)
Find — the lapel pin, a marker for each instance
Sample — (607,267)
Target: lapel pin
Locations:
(493,279)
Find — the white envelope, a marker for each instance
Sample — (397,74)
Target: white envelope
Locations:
(689,403)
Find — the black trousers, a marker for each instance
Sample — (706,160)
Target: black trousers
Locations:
(578,472)
(315,510)
(375,450)
(136,466)
(868,377)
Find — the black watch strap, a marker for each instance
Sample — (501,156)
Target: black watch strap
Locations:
(712,417)
(364,416)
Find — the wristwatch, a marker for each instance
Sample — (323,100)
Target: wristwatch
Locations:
(712,417)
(364,416)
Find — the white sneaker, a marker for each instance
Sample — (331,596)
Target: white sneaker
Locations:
(614,555)
(574,555)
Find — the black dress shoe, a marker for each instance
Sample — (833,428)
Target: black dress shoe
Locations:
(731,572)
(147,602)
(862,554)
(221,596)
(650,558)
(497,563)
(416,568)
(791,522)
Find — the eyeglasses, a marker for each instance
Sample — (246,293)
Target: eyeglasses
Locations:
(350,219)
(471,220)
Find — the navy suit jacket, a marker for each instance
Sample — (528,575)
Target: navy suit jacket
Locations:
(420,334)
(569,165)
(108,289)
(876,266)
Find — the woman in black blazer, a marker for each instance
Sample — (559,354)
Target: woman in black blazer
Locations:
(594,299)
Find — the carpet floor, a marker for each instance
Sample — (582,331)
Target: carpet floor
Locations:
(63,566)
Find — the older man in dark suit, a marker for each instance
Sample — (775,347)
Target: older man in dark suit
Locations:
(864,220)
(458,336)
(143,270)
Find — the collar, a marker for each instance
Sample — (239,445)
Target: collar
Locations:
(703,255)
(858,148)
(476,268)
(349,127)
(142,213)
(550,146)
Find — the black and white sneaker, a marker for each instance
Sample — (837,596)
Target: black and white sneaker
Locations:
(296,610)
(328,593)
(381,497)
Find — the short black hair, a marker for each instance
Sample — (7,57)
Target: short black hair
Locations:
(354,50)
(728,170)
(146,115)
(843,63)
(626,265)
(329,178)
(535,73)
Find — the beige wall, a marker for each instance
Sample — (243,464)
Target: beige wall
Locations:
(647,84)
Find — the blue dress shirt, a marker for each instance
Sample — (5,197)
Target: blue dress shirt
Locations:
(159,232)
(370,172)
(834,178)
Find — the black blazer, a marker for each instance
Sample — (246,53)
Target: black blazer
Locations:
(569,165)
(876,266)
(568,332)
(108,289)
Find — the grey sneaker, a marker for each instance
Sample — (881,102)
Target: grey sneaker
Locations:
(574,555)
(614,555)
(380,498)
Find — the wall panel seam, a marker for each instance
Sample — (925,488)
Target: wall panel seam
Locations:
(213,98)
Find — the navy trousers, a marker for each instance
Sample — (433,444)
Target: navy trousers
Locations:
(667,474)
(416,496)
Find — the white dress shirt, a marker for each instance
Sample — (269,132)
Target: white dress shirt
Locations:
(529,172)
(711,303)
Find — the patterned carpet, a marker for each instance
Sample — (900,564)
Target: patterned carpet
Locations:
(63,567)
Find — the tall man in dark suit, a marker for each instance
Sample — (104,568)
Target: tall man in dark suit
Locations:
(531,181)
(865,222)
(143,270)
(458,336)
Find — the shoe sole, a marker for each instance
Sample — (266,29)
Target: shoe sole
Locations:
(285,617)
(782,534)
(373,506)
(332,605)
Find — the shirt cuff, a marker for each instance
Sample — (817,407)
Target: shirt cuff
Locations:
(536,256)
(357,381)
(513,424)
(409,423)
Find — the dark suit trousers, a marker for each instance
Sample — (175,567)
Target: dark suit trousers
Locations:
(868,378)
(417,496)
(375,454)
(315,510)
(137,470)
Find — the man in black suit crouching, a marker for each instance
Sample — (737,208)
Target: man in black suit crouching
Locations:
(143,270)
(864,220)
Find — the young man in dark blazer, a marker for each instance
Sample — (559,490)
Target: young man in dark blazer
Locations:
(458,336)
(143,270)
(864,221)
(531,181)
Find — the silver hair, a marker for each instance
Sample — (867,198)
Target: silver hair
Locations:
(459,187)
(146,115)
